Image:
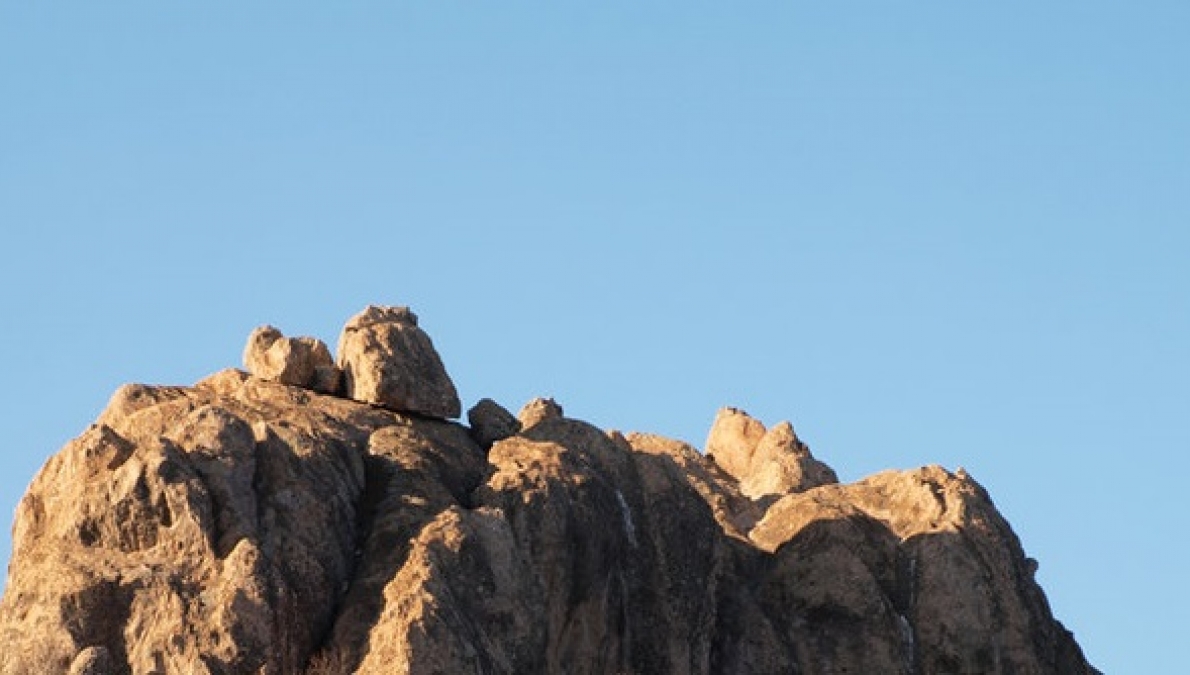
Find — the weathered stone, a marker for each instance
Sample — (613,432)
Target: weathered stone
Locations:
(93,661)
(194,530)
(733,439)
(539,410)
(245,526)
(387,360)
(766,463)
(300,362)
(781,464)
(491,422)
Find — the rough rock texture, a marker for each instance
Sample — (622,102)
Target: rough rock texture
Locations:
(389,361)
(245,526)
(766,463)
(302,362)
(92,661)
(539,410)
(491,422)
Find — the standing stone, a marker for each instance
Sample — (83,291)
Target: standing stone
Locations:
(388,361)
(299,362)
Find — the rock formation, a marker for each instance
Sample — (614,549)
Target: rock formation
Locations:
(389,361)
(301,362)
(254,524)
(767,463)
(537,411)
(491,422)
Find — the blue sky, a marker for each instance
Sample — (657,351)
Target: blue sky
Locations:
(924,232)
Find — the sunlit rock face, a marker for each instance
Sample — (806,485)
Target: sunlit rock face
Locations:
(273,523)
(388,360)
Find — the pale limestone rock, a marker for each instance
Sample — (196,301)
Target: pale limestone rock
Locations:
(539,410)
(300,362)
(491,422)
(387,360)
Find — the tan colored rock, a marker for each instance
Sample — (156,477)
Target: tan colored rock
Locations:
(539,410)
(682,463)
(782,464)
(491,422)
(194,530)
(300,362)
(246,526)
(767,463)
(733,439)
(387,360)
(949,569)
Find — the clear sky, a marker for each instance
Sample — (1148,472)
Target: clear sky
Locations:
(928,232)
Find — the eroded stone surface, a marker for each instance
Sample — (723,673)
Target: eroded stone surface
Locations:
(539,410)
(732,441)
(301,362)
(767,463)
(246,526)
(389,361)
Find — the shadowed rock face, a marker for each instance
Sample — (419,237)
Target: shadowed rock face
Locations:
(247,526)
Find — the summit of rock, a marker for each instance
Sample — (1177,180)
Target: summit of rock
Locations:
(388,360)
(301,362)
(260,522)
(766,462)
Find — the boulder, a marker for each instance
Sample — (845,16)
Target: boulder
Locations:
(768,462)
(300,362)
(539,410)
(387,360)
(490,422)
(781,464)
(733,438)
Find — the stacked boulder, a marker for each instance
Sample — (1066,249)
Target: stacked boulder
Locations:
(384,359)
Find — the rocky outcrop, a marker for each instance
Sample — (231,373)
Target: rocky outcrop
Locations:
(389,361)
(244,525)
(537,411)
(767,463)
(302,362)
